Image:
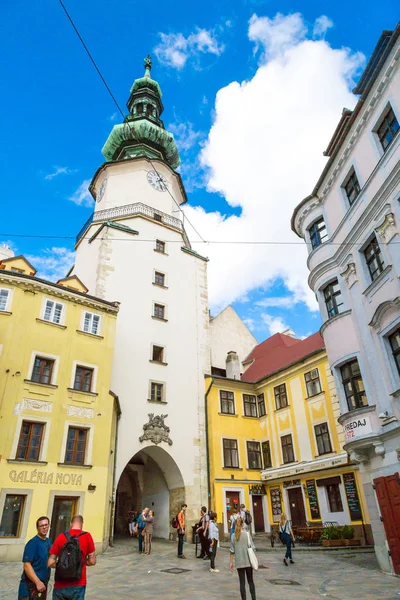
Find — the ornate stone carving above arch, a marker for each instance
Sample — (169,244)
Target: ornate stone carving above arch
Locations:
(381,310)
(387,230)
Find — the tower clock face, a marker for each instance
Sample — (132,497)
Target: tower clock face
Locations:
(101,190)
(157,181)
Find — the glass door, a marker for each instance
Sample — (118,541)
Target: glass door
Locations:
(63,510)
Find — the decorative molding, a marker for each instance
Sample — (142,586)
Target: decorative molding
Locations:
(350,274)
(79,411)
(380,449)
(155,430)
(30,404)
(358,457)
(381,310)
(314,202)
(387,230)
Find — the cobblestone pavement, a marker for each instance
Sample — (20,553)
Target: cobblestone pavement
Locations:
(122,573)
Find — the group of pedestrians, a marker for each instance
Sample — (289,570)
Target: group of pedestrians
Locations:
(70,554)
(144,529)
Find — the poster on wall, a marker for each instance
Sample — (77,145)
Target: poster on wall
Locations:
(353,499)
(276,503)
(313,499)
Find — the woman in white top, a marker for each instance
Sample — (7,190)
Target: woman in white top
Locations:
(285,529)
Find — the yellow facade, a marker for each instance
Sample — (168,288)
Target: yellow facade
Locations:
(317,480)
(57,442)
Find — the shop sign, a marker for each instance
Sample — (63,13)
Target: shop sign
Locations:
(257,489)
(292,483)
(37,476)
(357,427)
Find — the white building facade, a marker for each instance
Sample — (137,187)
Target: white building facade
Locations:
(135,250)
(351,224)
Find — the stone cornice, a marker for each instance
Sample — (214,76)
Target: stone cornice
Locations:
(35,285)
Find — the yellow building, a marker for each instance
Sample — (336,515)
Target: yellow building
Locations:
(275,444)
(58,416)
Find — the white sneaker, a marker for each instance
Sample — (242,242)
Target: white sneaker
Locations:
(214,570)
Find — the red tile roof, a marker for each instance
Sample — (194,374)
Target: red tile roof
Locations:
(278,352)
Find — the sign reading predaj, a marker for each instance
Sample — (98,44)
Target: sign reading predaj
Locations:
(357,428)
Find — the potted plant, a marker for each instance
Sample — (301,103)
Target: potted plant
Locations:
(331,537)
(347,534)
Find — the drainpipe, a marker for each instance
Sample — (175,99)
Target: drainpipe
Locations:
(114,491)
(207,444)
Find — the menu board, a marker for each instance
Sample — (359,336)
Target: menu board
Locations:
(352,496)
(276,503)
(313,499)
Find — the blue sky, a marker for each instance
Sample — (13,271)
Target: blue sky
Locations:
(56,115)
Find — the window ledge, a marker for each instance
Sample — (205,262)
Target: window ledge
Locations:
(321,393)
(158,362)
(74,466)
(293,462)
(160,252)
(232,468)
(159,319)
(254,468)
(249,417)
(51,323)
(93,335)
(326,454)
(5,312)
(282,408)
(227,414)
(376,283)
(165,287)
(82,392)
(46,385)
(157,401)
(27,461)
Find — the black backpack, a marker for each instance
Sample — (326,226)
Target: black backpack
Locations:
(248,519)
(70,562)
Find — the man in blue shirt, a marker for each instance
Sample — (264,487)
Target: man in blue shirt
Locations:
(36,573)
(140,524)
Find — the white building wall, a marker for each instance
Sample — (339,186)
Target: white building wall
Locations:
(228,332)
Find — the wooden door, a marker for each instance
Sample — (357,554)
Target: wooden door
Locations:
(64,509)
(296,505)
(258,513)
(232,504)
(388,494)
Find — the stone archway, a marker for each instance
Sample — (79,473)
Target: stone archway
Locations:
(151,478)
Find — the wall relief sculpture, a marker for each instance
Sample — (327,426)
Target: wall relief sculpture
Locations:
(155,430)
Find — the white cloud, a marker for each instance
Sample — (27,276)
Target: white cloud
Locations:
(277,302)
(264,155)
(274,324)
(52,263)
(250,323)
(277,35)
(175,49)
(185,136)
(59,171)
(113,117)
(82,196)
(321,26)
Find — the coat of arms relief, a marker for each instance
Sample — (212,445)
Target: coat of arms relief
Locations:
(155,430)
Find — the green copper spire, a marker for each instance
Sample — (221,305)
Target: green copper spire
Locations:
(143,133)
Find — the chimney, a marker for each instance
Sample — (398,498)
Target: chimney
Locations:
(5,252)
(232,365)
(290,333)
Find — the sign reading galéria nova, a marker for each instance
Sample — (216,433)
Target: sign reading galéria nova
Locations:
(36,476)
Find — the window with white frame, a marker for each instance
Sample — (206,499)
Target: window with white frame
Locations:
(373,258)
(42,370)
(318,234)
(157,392)
(52,311)
(313,383)
(91,323)
(333,298)
(4,295)
(353,385)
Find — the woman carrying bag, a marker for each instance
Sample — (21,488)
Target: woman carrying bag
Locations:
(287,537)
(242,548)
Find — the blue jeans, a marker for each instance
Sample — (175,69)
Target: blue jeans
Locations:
(76,592)
(180,543)
(288,541)
(140,538)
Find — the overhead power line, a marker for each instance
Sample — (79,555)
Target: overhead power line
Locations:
(123,115)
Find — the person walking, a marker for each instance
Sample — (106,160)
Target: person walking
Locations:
(202,530)
(287,536)
(181,530)
(132,522)
(232,521)
(36,574)
(140,525)
(65,560)
(239,545)
(148,532)
(213,535)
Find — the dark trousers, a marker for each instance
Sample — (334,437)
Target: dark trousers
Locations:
(213,554)
(180,543)
(243,573)
(140,538)
(205,544)
(288,541)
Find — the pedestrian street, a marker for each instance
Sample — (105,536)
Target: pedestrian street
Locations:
(122,573)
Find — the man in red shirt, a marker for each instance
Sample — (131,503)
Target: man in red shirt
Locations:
(75,589)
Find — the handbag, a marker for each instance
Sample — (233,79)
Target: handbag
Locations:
(252,555)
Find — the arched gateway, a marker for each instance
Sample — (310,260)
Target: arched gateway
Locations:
(151,478)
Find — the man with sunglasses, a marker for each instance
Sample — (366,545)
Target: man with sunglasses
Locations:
(36,573)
